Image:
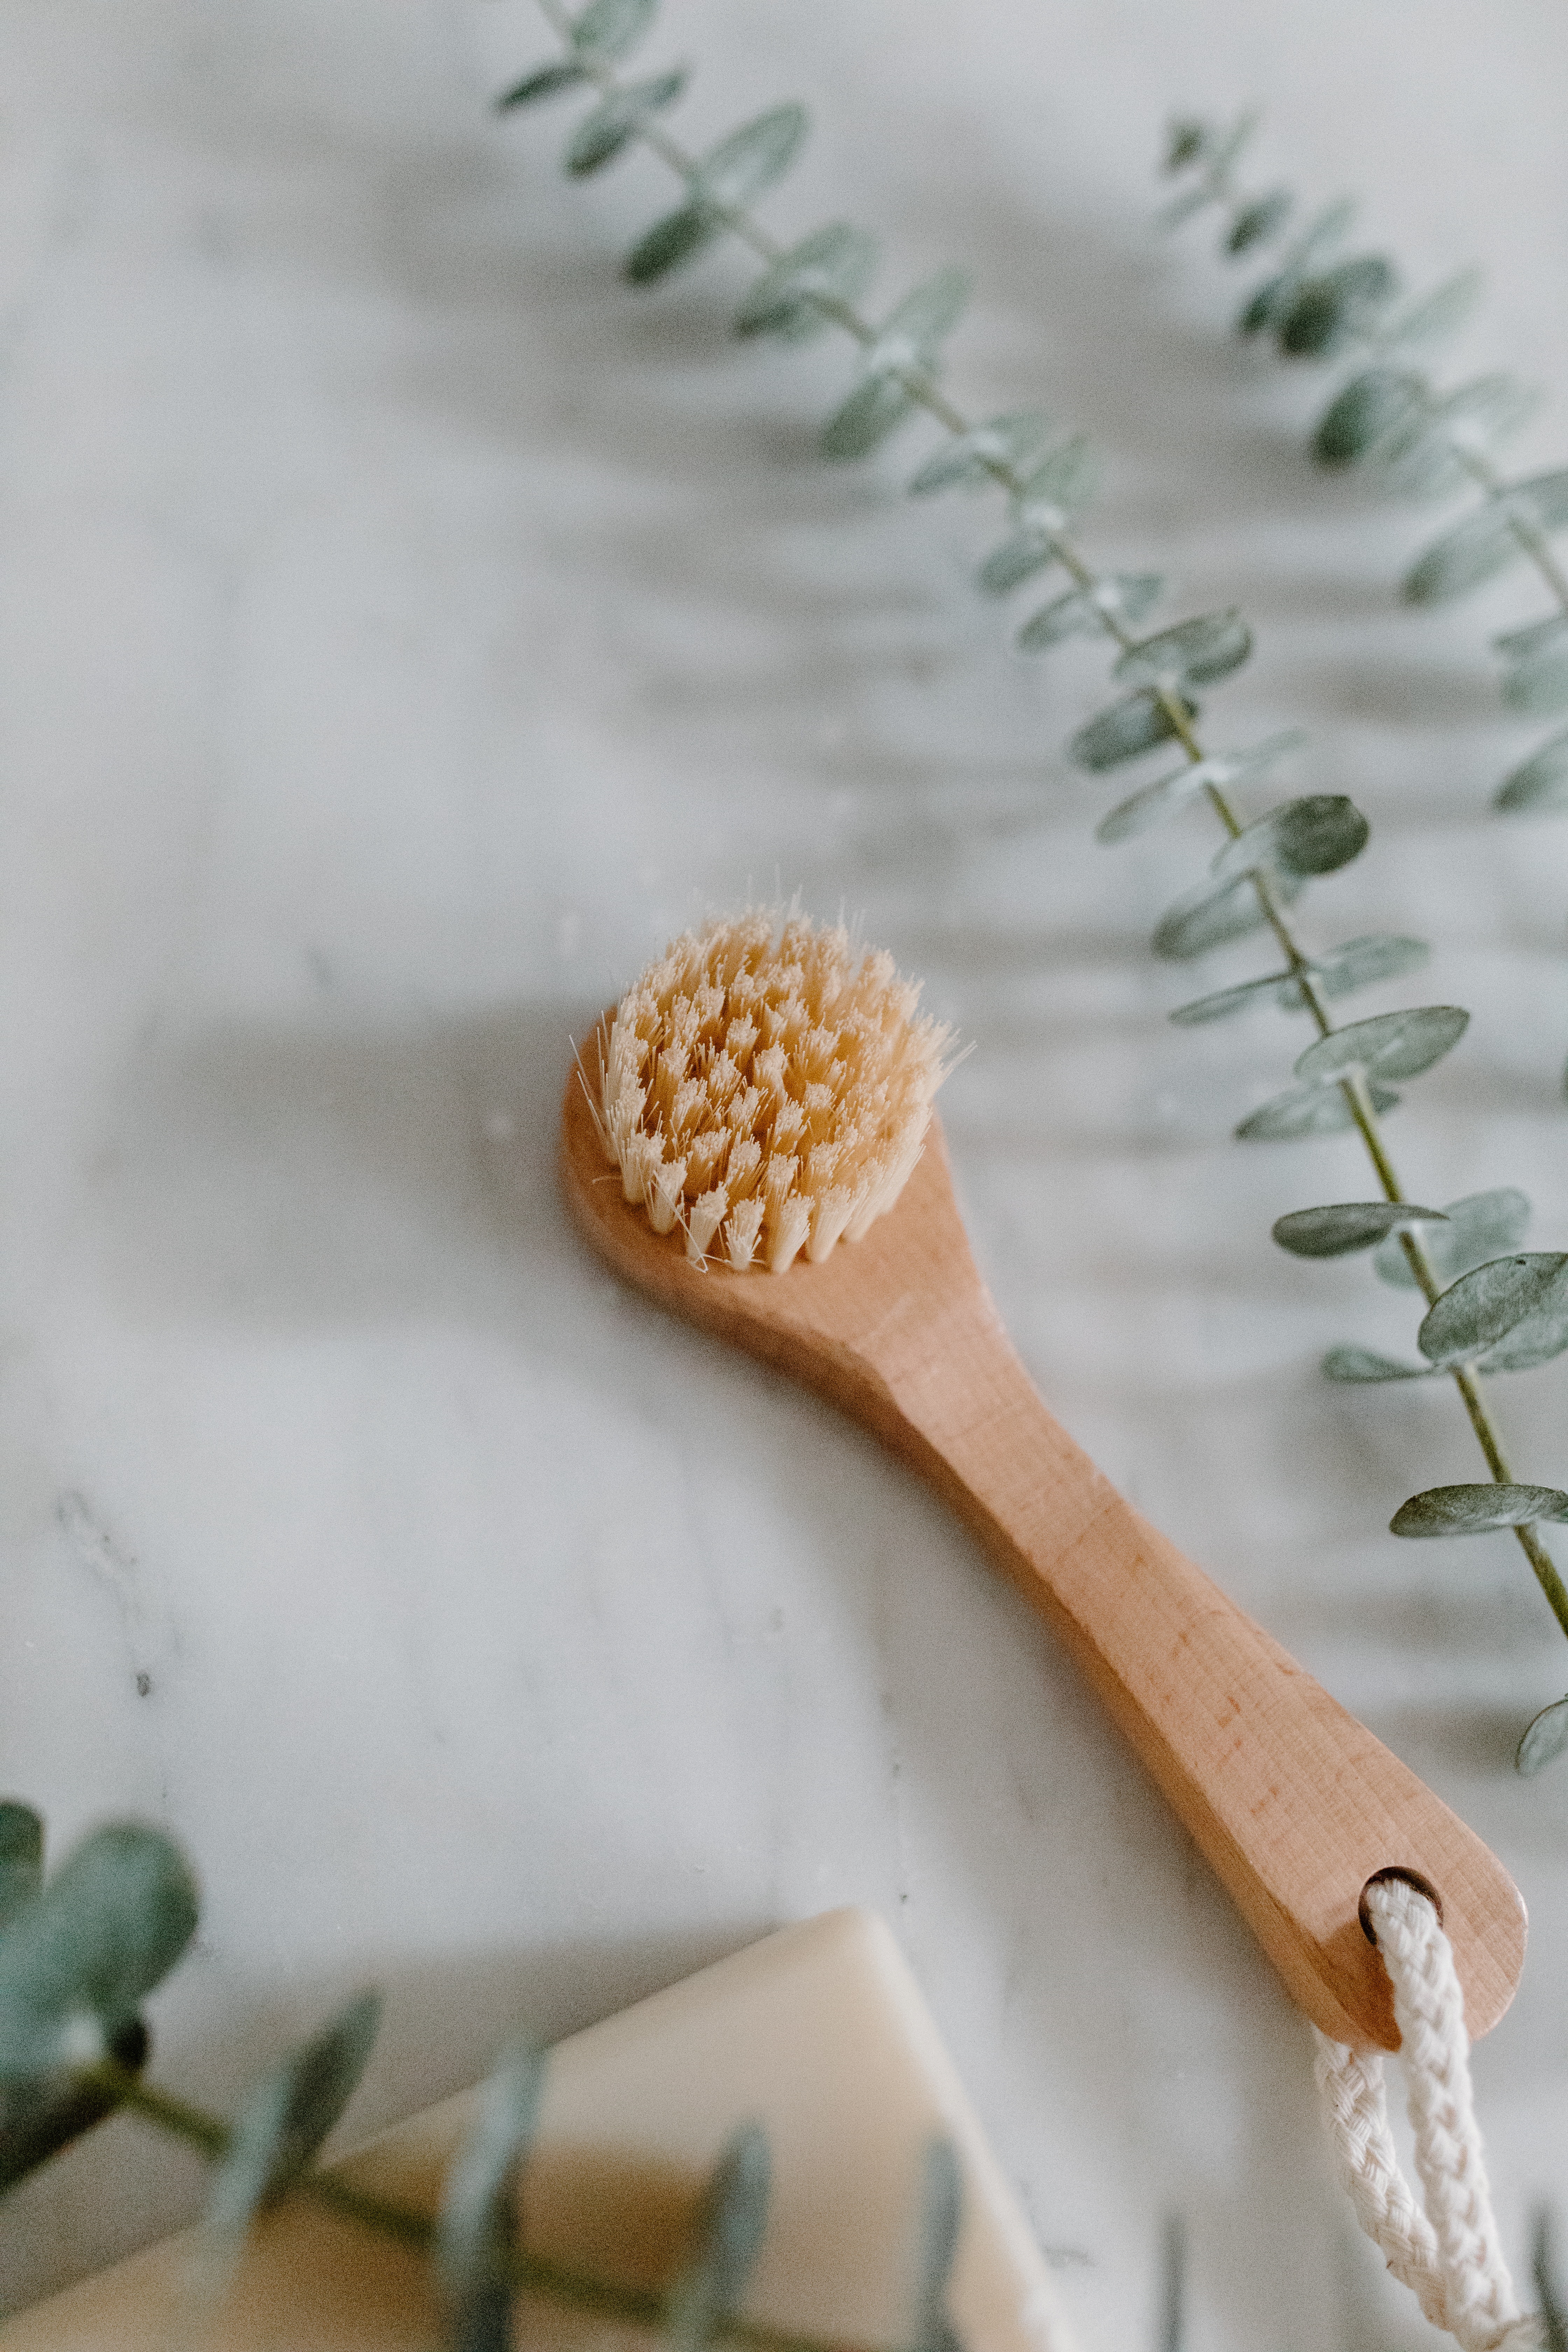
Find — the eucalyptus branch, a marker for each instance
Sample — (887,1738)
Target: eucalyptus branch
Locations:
(1391,419)
(1342,1077)
(78,1955)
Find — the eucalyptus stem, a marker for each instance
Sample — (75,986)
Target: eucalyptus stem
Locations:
(925,394)
(635,2306)
(1482,472)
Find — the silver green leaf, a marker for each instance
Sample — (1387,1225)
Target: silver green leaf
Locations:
(21,1857)
(877,407)
(1358,1365)
(284,2117)
(941,2219)
(477,2232)
(1259,220)
(1127,595)
(1390,1046)
(751,159)
(1510,1306)
(970,461)
(1435,456)
(1187,140)
(612,28)
(1193,653)
(1376,409)
(1545,1738)
(1479,1227)
(1054,492)
(1281,986)
(78,1960)
(1489,539)
(1210,915)
(1162,799)
(678,239)
(1327,311)
(1541,784)
(1306,1110)
(1380,955)
(1432,316)
(1340,1230)
(544,81)
(1477,1511)
(1354,965)
(834,264)
(616,120)
(1316,834)
(1268,305)
(903,355)
(1537,679)
(730,2236)
(1128,728)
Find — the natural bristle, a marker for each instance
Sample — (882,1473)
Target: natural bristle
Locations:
(768,1089)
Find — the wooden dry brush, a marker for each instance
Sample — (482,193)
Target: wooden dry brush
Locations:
(1394,421)
(81,1952)
(1489,1307)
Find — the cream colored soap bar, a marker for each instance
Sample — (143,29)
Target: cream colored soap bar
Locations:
(819,2033)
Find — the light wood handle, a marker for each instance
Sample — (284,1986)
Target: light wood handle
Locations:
(1294,1802)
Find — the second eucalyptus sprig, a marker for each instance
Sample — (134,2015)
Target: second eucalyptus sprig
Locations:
(1391,418)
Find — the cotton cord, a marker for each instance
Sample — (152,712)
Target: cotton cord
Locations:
(1445,2248)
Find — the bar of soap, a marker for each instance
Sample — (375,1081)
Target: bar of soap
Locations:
(818,2033)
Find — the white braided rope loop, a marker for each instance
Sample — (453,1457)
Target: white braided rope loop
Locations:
(1446,2249)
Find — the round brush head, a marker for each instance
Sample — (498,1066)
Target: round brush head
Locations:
(766,1087)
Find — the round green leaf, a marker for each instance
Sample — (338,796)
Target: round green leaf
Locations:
(1545,1738)
(970,460)
(834,264)
(1156,801)
(1239,999)
(1479,1227)
(1347,1226)
(1187,138)
(1541,784)
(678,239)
(1364,1365)
(39,2117)
(1480,1310)
(544,81)
(1484,544)
(1380,955)
(914,331)
(1193,653)
(1126,730)
(284,2117)
(77,1961)
(1390,1046)
(1326,310)
(1306,1110)
(877,407)
(751,159)
(477,2232)
(612,29)
(1373,409)
(21,1857)
(1316,834)
(1209,916)
(730,2235)
(1477,1511)
(1017,560)
(1432,316)
(1257,222)
(616,120)
(1127,594)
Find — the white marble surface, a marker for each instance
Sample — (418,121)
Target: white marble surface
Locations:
(403,627)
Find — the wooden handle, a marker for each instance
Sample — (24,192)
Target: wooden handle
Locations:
(1294,1802)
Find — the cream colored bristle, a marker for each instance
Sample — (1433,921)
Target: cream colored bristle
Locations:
(768,1089)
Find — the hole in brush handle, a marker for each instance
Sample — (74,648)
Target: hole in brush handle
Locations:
(1412,1878)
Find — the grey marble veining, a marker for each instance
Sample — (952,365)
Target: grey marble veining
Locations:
(403,627)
